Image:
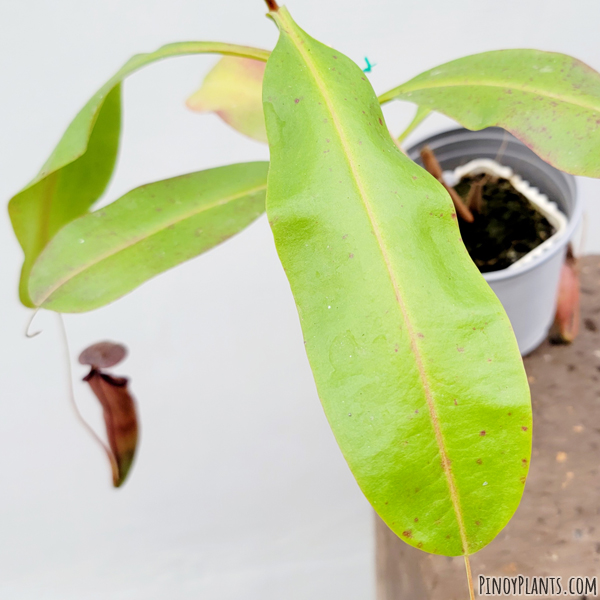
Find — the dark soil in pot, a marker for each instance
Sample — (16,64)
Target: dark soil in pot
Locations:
(498,224)
(506,226)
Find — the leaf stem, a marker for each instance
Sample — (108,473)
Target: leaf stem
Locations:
(469,577)
(420,115)
(431,164)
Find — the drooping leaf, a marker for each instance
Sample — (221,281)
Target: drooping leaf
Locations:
(101,256)
(65,188)
(233,90)
(81,165)
(549,101)
(414,358)
(118,406)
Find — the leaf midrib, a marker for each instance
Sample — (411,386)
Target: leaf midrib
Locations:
(147,235)
(385,254)
(403,89)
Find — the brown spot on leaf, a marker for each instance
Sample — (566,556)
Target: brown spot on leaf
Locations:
(524,428)
(407,533)
(420,545)
(479,461)
(416,519)
(482,433)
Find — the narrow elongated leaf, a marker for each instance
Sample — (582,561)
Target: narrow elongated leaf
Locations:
(233,90)
(414,358)
(549,101)
(102,255)
(81,165)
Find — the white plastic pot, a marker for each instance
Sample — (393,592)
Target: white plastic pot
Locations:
(527,289)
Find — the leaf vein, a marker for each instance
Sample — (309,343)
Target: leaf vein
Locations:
(135,240)
(446,467)
(536,92)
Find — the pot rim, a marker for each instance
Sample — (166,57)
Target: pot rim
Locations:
(573,219)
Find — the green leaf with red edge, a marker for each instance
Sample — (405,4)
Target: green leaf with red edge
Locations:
(550,101)
(233,90)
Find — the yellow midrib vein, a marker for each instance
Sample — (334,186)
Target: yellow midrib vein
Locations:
(437,85)
(147,234)
(376,230)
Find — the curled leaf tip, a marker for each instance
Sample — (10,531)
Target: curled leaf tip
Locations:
(233,91)
(103,355)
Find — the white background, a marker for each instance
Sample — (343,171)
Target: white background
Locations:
(239,491)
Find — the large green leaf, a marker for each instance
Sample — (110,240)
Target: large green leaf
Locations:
(100,256)
(549,101)
(81,165)
(414,358)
